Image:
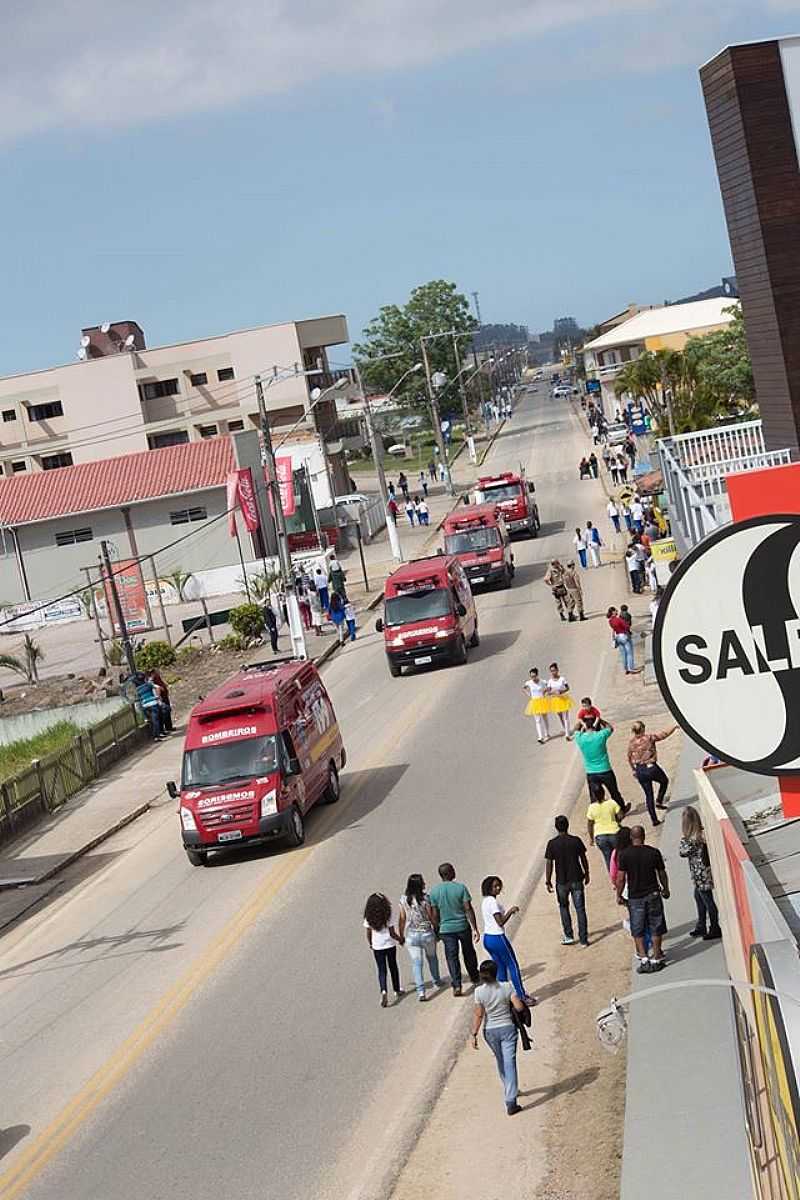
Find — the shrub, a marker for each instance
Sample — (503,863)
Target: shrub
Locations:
(248,621)
(154,655)
(115,654)
(232,641)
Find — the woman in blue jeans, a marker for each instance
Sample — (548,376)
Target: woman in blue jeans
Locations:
(493,1003)
(495,918)
(417,928)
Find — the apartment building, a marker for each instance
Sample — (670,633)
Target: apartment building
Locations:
(120,396)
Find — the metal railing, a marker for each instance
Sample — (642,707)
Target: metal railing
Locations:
(695,465)
(50,781)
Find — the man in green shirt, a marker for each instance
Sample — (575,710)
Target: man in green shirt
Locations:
(453,918)
(591,738)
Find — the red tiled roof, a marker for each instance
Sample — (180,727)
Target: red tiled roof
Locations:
(113,482)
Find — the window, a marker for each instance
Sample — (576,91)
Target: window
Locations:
(184,515)
(225,373)
(9,414)
(43,412)
(69,537)
(199,379)
(235,426)
(176,437)
(158,388)
(51,461)
(17,465)
(207,431)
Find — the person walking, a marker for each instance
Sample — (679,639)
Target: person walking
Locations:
(321,584)
(538,705)
(402,483)
(350,619)
(495,940)
(554,579)
(572,876)
(643,760)
(337,576)
(592,741)
(579,542)
(642,869)
(162,696)
(317,615)
(621,634)
(584,470)
(423,512)
(614,468)
(574,589)
(455,923)
(423,482)
(336,614)
(410,512)
(304,605)
(593,463)
(432,470)
(383,939)
(603,817)
(494,1001)
(613,515)
(637,514)
(559,699)
(148,702)
(626,516)
(606,456)
(417,932)
(392,491)
(271,625)
(391,508)
(593,544)
(693,847)
(622,466)
(634,571)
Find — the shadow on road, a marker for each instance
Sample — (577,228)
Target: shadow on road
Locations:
(572,1084)
(529,573)
(548,990)
(83,952)
(495,643)
(548,528)
(11,1136)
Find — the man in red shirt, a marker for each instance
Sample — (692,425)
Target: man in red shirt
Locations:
(622,640)
(588,709)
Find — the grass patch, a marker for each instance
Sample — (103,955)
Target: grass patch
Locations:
(16,756)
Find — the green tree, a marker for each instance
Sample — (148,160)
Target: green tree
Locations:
(721,361)
(179,579)
(434,307)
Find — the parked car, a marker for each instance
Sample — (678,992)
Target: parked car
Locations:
(352,498)
(616,433)
(398,449)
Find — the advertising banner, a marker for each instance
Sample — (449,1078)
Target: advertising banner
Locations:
(283,466)
(241,494)
(132,596)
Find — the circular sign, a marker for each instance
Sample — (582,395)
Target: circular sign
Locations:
(626,493)
(726,644)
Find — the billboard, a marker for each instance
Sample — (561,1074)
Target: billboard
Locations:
(132,596)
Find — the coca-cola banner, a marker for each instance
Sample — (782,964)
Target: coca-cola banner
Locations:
(241,494)
(283,466)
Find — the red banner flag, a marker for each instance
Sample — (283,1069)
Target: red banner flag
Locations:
(241,494)
(283,466)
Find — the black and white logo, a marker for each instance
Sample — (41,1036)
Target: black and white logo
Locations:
(726,644)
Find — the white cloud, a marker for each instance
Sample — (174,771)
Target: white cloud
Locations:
(104,63)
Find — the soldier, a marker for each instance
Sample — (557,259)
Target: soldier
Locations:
(565,602)
(574,590)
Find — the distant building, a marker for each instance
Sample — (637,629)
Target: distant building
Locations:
(565,327)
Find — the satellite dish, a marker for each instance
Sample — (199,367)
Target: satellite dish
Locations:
(82,353)
(85,340)
(129,340)
(104,328)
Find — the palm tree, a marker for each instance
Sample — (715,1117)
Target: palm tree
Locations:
(33,656)
(179,579)
(10,663)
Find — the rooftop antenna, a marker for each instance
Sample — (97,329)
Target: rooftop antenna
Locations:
(82,353)
(104,328)
(129,340)
(85,340)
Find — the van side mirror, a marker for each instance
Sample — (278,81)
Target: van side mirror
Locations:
(379,625)
(461,610)
(172,790)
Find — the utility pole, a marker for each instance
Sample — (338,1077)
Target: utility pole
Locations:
(284,557)
(120,615)
(437,420)
(377,458)
(467,427)
(477,307)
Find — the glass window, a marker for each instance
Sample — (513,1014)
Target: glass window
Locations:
(51,461)
(229,762)
(9,414)
(43,412)
(418,606)
(175,437)
(505,491)
(183,516)
(225,373)
(471,539)
(158,388)
(69,537)
(235,426)
(199,379)
(206,431)
(18,465)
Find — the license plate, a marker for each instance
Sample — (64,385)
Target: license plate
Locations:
(232,835)
(479,579)
(426,658)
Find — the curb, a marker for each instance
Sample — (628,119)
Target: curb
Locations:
(139,811)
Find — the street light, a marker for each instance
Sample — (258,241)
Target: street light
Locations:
(437,422)
(377,451)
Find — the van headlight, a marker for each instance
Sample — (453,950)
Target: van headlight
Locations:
(269,803)
(187,820)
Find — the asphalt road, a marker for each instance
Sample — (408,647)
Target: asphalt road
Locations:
(171,1031)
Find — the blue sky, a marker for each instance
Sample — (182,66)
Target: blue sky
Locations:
(204,166)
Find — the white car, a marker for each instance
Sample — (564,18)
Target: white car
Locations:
(616,433)
(352,498)
(398,449)
(562,390)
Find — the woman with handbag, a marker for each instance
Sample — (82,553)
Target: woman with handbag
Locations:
(417,931)
(496,1004)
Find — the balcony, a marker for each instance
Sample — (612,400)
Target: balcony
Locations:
(695,465)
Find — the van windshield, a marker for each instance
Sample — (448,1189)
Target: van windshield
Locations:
(228,762)
(471,539)
(502,491)
(417,606)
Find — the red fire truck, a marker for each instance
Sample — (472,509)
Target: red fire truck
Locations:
(513,494)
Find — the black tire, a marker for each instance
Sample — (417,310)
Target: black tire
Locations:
(460,653)
(475,640)
(296,833)
(394,668)
(333,790)
(198,858)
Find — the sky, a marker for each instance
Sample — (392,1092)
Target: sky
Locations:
(205,166)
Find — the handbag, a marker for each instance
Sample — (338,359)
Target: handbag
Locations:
(522,1021)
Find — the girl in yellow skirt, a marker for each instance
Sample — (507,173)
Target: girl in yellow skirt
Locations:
(558,698)
(538,705)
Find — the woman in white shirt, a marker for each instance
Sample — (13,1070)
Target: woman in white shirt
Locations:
(383,939)
(495,940)
(417,932)
(579,542)
(559,699)
(538,705)
(493,1002)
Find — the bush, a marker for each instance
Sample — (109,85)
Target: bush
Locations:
(154,655)
(248,621)
(115,654)
(232,641)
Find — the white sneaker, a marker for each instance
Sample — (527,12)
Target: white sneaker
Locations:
(565,941)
